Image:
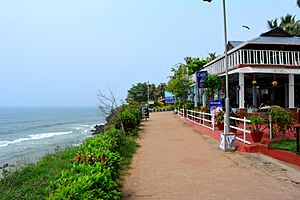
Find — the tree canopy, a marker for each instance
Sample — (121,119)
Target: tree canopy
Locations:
(139,92)
(288,23)
(213,84)
(180,82)
(194,64)
(211,56)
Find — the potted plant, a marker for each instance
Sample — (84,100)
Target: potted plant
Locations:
(256,127)
(219,120)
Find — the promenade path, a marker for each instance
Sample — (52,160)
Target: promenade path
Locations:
(175,161)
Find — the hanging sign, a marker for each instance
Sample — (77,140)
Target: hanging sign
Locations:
(200,77)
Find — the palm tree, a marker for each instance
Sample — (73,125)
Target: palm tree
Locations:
(211,56)
(288,23)
(298,3)
(160,90)
(272,24)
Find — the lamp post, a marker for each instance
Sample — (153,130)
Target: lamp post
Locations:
(148,93)
(227,111)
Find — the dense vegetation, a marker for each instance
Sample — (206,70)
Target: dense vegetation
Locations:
(90,171)
(139,92)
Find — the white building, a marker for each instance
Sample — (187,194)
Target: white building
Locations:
(264,70)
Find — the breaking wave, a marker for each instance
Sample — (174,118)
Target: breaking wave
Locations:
(33,137)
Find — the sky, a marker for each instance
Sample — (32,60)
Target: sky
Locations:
(62,52)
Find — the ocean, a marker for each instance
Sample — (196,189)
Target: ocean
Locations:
(27,134)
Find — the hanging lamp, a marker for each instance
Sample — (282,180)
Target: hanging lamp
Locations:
(274,82)
(254,81)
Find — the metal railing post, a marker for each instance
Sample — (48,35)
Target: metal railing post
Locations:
(244,129)
(270,124)
(212,121)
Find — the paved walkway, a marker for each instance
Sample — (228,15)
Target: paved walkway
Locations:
(175,161)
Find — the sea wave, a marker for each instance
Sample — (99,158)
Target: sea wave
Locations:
(81,127)
(33,137)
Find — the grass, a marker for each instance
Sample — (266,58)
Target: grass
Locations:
(287,145)
(127,151)
(31,180)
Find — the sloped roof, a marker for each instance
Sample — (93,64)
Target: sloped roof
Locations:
(277,32)
(275,40)
(235,43)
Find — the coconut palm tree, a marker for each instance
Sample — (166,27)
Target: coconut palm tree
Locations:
(298,3)
(160,90)
(211,56)
(288,23)
(272,24)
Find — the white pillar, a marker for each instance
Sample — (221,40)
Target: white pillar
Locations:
(196,95)
(204,98)
(291,91)
(242,91)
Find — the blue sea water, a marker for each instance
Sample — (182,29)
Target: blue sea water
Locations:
(26,134)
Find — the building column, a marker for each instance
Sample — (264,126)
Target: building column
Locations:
(195,96)
(241,91)
(204,98)
(291,91)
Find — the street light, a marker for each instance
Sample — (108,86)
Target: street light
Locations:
(227,111)
(148,92)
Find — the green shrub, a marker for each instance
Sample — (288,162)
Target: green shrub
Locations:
(94,171)
(158,103)
(96,166)
(178,104)
(281,120)
(189,105)
(85,182)
(129,121)
(127,117)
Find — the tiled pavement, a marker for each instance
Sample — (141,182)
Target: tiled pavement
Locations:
(175,161)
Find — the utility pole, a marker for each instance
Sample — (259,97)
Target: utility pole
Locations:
(227,111)
(148,93)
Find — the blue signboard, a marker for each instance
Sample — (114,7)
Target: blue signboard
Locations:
(169,97)
(169,100)
(200,77)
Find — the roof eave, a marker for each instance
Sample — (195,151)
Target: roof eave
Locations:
(243,45)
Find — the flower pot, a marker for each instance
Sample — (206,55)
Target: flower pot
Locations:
(256,136)
(220,127)
(232,130)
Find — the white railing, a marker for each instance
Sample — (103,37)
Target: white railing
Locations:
(180,112)
(200,118)
(243,129)
(259,57)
